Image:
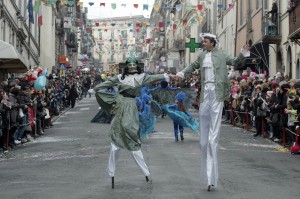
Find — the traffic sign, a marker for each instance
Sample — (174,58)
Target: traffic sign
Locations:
(62,67)
(62,73)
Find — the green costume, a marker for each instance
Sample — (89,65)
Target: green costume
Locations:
(125,124)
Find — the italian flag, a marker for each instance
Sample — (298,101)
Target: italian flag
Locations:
(40,16)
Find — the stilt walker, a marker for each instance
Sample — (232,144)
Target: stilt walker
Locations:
(125,124)
(212,64)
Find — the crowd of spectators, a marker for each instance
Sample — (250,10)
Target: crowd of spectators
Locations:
(25,113)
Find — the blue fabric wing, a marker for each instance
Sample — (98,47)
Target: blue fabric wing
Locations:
(182,118)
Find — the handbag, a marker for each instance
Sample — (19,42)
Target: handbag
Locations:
(275,118)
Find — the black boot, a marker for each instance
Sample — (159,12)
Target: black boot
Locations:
(147,179)
(181,137)
(209,187)
(112,182)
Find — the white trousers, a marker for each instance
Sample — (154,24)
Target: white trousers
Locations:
(114,155)
(210,116)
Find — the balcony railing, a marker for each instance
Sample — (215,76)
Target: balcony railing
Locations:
(271,29)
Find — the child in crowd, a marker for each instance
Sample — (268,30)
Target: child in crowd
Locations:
(179,106)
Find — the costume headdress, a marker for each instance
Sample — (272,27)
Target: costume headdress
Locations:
(180,97)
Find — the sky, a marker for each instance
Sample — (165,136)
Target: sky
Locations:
(97,12)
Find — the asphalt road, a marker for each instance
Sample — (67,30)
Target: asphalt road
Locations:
(69,162)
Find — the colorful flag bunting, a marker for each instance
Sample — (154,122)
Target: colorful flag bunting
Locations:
(102,4)
(178,7)
(113,6)
(156,7)
(145,7)
(200,7)
(135,5)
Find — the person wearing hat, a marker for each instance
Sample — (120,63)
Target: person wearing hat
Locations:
(212,64)
(124,131)
(179,106)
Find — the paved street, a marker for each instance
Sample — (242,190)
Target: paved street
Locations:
(69,162)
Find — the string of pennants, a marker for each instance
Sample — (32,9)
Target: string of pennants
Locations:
(156,6)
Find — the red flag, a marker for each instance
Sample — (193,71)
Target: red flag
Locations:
(174,26)
(200,7)
(97,24)
(138,25)
(102,4)
(184,21)
(40,16)
(161,24)
(136,5)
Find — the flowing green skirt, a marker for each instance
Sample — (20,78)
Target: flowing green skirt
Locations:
(125,124)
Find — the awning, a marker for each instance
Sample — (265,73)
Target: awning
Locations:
(10,59)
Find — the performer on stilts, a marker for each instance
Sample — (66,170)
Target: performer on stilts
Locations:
(123,105)
(212,64)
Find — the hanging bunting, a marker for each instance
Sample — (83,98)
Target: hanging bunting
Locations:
(105,30)
(156,7)
(113,24)
(193,21)
(188,6)
(104,24)
(52,2)
(160,24)
(97,24)
(63,2)
(184,21)
(178,7)
(79,3)
(129,24)
(113,6)
(71,2)
(167,7)
(200,19)
(138,25)
(145,7)
(123,5)
(135,5)
(144,25)
(200,7)
(230,6)
(102,4)
(91,3)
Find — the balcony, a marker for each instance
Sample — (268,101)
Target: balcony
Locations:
(294,24)
(271,30)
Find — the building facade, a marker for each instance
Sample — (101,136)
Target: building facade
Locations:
(117,38)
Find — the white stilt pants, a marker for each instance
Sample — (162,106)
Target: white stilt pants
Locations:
(114,155)
(210,115)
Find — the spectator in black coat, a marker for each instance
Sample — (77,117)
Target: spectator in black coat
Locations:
(73,95)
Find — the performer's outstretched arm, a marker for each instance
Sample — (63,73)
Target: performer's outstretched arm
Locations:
(111,82)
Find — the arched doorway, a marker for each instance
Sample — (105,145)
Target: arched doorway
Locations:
(279,64)
(298,69)
(289,70)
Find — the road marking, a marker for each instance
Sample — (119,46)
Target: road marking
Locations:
(85,109)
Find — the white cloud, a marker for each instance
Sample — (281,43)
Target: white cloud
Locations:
(97,12)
